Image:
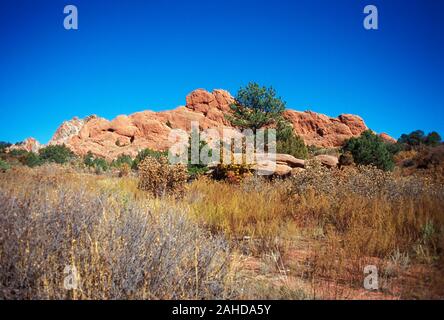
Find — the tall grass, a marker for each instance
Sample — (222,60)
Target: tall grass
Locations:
(121,249)
(352,218)
(306,237)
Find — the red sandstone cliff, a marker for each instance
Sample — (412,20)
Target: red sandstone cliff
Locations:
(148,129)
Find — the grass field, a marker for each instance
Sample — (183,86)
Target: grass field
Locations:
(307,237)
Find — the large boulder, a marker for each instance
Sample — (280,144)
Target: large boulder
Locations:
(327,160)
(268,167)
(290,161)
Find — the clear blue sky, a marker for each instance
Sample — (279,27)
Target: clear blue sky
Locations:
(134,55)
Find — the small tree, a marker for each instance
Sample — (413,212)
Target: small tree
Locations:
(433,139)
(414,138)
(369,149)
(417,138)
(56,153)
(255,107)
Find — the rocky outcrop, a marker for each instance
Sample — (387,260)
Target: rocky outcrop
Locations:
(147,129)
(67,130)
(323,131)
(384,136)
(30,145)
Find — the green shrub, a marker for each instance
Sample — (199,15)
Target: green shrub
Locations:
(160,178)
(100,165)
(147,153)
(18,153)
(433,139)
(33,160)
(418,137)
(369,149)
(121,160)
(88,159)
(194,169)
(56,153)
(395,148)
(4,166)
(288,142)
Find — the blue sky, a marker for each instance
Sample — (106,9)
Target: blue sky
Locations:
(134,55)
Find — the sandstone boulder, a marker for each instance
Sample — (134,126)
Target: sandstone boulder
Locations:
(327,160)
(268,167)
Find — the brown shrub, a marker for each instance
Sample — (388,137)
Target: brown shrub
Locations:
(125,170)
(160,178)
(346,159)
(121,249)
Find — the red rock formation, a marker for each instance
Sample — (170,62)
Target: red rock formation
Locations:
(387,138)
(148,129)
(30,144)
(323,131)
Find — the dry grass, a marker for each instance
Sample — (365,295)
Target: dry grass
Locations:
(352,218)
(121,248)
(308,237)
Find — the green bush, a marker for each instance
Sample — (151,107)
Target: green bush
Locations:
(195,170)
(18,153)
(121,160)
(369,149)
(57,153)
(101,165)
(418,137)
(88,159)
(33,160)
(147,153)
(4,166)
(288,142)
(433,139)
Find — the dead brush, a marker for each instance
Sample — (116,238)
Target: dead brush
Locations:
(160,178)
(121,249)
